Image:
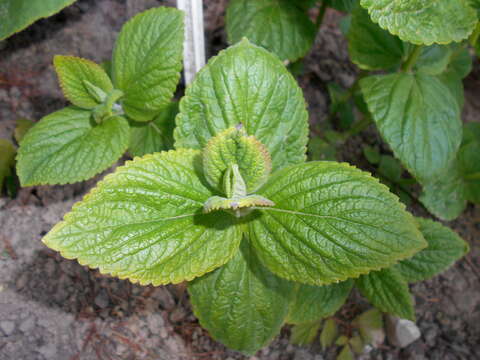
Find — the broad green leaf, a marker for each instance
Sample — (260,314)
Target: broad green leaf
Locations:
(331,222)
(388,291)
(469,161)
(313,303)
(305,333)
(84,83)
(329,333)
(372,154)
(357,344)
(277,25)
(341,105)
(434,59)
(155,135)
(418,118)
(446,196)
(234,147)
(21,128)
(424,21)
(370,326)
(16,15)
(144,223)
(7,159)
(241,304)
(147,61)
(68,146)
(370,47)
(246,85)
(444,248)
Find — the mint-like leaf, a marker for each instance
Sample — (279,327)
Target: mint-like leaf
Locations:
(280,26)
(444,248)
(144,223)
(304,333)
(331,222)
(388,291)
(242,304)
(79,78)
(234,146)
(147,61)
(313,303)
(424,21)
(371,47)
(15,15)
(246,85)
(155,135)
(68,146)
(418,118)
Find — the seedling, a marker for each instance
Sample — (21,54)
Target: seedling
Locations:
(262,236)
(128,107)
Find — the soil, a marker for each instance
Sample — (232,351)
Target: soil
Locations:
(55,309)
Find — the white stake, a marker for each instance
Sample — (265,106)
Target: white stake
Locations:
(194,46)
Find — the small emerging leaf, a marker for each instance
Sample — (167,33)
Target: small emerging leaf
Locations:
(21,128)
(329,333)
(79,77)
(357,344)
(234,146)
(155,135)
(7,159)
(305,333)
(346,354)
(388,291)
(370,326)
(144,223)
(316,302)
(444,248)
(241,304)
(67,146)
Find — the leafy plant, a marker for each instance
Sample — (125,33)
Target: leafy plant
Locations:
(129,109)
(16,15)
(416,102)
(262,236)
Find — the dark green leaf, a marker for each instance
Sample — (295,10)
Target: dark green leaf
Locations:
(388,291)
(444,248)
(329,333)
(279,26)
(241,304)
(304,334)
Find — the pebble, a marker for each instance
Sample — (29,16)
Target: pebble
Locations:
(7,327)
(401,332)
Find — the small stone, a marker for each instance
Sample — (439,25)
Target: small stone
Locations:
(177,315)
(7,327)
(27,324)
(401,332)
(102,300)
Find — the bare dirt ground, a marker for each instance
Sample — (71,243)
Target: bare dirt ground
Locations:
(55,309)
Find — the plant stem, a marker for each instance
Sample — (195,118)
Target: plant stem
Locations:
(412,59)
(475,35)
(321,14)
(358,127)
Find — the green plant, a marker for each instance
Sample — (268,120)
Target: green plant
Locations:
(131,109)
(262,236)
(422,49)
(15,15)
